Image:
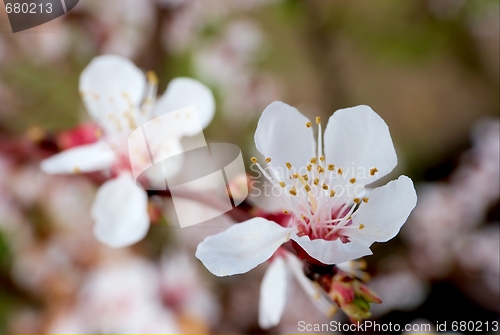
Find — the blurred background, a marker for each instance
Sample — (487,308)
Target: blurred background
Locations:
(430,68)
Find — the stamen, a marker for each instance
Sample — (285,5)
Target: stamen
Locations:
(332,193)
(331,167)
(325,187)
(320,137)
(152,78)
(309,167)
(282,184)
(361,226)
(314,160)
(306,177)
(373,171)
(316,181)
(332,311)
(356,200)
(320,169)
(339,171)
(268,160)
(254,160)
(309,124)
(322,158)
(293,191)
(288,165)
(307,188)
(365,200)
(352,181)
(285,211)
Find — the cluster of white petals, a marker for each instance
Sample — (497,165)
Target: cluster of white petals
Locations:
(120,98)
(332,216)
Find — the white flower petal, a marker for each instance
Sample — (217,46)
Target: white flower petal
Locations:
(283,136)
(317,295)
(242,247)
(112,88)
(120,212)
(357,138)
(387,209)
(332,252)
(84,158)
(186,92)
(273,292)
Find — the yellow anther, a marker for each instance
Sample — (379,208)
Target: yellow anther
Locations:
(314,160)
(331,167)
(307,188)
(373,171)
(339,171)
(365,200)
(309,167)
(318,120)
(332,193)
(76,169)
(309,124)
(288,165)
(356,200)
(303,217)
(254,160)
(321,169)
(361,226)
(152,77)
(352,181)
(293,191)
(295,175)
(35,134)
(331,311)
(322,158)
(285,211)
(305,177)
(268,160)
(282,184)
(316,181)
(325,187)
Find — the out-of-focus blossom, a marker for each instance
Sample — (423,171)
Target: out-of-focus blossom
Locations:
(121,296)
(400,290)
(120,99)
(448,211)
(332,219)
(85,133)
(229,64)
(124,30)
(185,293)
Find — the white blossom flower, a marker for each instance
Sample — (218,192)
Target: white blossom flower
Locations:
(332,217)
(119,97)
(275,289)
